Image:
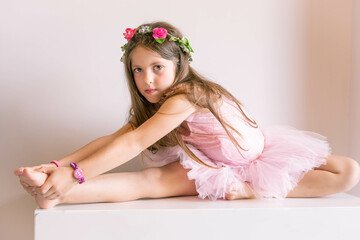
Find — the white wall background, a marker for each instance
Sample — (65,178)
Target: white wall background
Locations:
(355,89)
(62,85)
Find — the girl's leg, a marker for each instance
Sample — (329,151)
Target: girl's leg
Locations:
(170,180)
(339,174)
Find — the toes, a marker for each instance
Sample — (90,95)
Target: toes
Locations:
(27,172)
(18,171)
(239,190)
(229,196)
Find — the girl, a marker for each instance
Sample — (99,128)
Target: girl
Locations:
(196,138)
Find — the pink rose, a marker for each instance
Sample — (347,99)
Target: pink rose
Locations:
(129,33)
(159,33)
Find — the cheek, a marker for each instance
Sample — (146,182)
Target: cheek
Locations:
(136,79)
(137,82)
(168,77)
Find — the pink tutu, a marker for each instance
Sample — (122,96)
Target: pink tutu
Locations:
(272,163)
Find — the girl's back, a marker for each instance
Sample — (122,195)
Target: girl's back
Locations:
(204,132)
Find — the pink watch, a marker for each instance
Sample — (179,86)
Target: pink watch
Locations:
(78,173)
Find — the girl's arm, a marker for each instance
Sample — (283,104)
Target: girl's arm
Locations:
(127,146)
(93,147)
(123,147)
(85,151)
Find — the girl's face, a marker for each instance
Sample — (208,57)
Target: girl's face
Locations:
(153,74)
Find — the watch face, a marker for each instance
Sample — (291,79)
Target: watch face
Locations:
(78,173)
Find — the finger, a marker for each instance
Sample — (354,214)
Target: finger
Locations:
(33,190)
(44,188)
(28,190)
(26,187)
(33,167)
(50,192)
(37,168)
(54,196)
(47,170)
(23,183)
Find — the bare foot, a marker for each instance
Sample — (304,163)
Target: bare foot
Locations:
(240,190)
(44,203)
(32,177)
(36,179)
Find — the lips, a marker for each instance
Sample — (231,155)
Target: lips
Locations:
(150,91)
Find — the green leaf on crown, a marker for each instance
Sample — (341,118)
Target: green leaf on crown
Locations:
(188,45)
(123,47)
(161,40)
(173,39)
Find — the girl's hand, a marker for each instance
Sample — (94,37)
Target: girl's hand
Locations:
(27,182)
(20,170)
(44,165)
(59,182)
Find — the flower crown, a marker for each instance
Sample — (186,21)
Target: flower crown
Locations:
(159,34)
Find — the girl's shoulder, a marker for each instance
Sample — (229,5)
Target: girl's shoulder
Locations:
(181,95)
(178,103)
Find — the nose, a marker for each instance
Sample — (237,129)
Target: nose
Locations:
(148,78)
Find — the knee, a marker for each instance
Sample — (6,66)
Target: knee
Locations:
(151,181)
(169,180)
(151,175)
(350,174)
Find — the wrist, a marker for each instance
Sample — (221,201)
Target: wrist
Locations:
(56,163)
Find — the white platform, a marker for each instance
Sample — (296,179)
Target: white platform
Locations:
(332,217)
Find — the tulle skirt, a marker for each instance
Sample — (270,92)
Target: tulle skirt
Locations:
(288,154)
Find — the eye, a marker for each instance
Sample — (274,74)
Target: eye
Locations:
(136,70)
(158,67)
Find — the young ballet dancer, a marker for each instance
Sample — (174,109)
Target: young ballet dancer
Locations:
(196,138)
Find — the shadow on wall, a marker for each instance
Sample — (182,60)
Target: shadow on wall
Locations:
(327,71)
(17,219)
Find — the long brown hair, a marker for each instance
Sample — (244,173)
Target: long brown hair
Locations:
(198,89)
